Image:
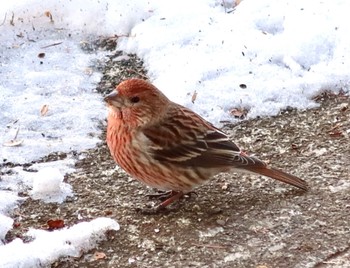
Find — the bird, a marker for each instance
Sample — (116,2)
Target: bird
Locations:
(170,147)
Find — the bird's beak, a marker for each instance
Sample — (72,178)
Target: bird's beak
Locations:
(113,99)
(111,96)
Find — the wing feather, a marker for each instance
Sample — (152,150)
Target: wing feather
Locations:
(200,145)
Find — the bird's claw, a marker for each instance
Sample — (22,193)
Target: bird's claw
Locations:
(167,198)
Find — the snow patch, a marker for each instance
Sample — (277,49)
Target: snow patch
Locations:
(48,186)
(48,246)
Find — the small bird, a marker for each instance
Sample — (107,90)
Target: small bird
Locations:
(170,147)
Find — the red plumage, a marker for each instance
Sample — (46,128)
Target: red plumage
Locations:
(168,146)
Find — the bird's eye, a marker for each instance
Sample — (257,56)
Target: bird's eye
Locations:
(135,99)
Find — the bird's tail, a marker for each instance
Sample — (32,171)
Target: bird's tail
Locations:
(279,175)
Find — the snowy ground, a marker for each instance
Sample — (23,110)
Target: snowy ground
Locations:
(261,56)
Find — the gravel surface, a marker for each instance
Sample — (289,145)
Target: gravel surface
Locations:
(234,220)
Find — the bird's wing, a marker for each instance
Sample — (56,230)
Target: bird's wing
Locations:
(184,138)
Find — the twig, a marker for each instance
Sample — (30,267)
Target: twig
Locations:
(54,44)
(12,19)
(16,134)
(210,246)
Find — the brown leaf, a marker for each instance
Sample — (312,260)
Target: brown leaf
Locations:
(108,212)
(294,146)
(99,255)
(194,96)
(55,224)
(49,15)
(44,110)
(238,112)
(336,133)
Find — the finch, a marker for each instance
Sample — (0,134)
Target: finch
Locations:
(170,147)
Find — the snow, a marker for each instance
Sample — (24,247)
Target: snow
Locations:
(259,55)
(285,52)
(48,186)
(48,246)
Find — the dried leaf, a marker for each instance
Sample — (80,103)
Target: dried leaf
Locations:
(194,96)
(238,112)
(16,225)
(336,133)
(108,212)
(294,146)
(13,143)
(49,15)
(99,255)
(55,224)
(44,110)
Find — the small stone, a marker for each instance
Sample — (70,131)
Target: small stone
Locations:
(220,222)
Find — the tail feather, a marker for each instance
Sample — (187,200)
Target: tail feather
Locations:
(280,176)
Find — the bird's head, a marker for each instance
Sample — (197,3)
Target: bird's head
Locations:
(136,102)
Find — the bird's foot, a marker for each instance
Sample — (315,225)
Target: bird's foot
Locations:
(170,198)
(164,195)
(167,198)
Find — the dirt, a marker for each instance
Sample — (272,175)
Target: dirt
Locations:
(234,220)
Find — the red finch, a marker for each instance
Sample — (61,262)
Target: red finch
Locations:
(169,147)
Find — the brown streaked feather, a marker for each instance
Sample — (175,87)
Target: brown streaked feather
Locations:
(279,175)
(203,145)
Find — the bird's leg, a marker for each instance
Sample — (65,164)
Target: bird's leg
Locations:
(173,196)
(162,195)
(167,197)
